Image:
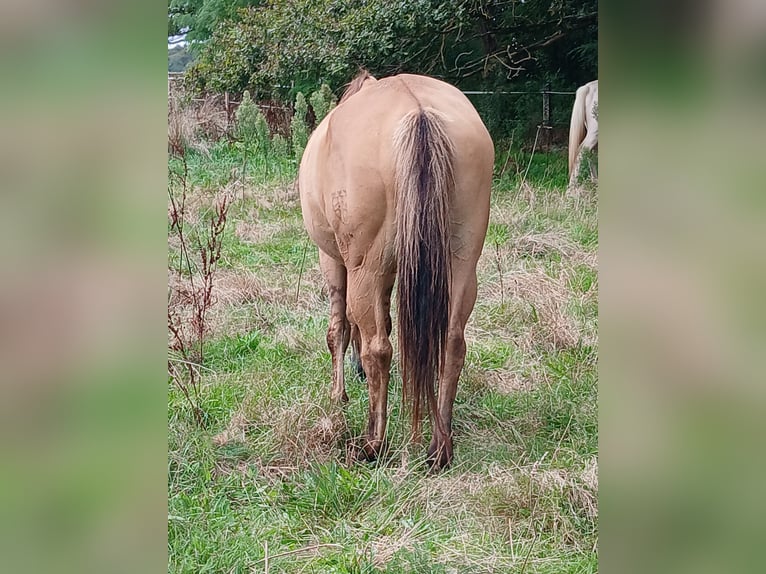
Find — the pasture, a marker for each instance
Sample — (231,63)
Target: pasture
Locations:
(266,483)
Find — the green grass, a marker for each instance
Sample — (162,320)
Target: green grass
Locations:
(521,492)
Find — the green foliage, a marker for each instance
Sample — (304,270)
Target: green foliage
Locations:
(497,234)
(322,101)
(298,127)
(251,128)
(279,48)
(201,17)
(280,146)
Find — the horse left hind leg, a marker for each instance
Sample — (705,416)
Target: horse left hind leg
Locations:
(339,330)
(369,300)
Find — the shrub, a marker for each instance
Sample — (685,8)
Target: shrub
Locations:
(322,101)
(251,130)
(298,127)
(280,146)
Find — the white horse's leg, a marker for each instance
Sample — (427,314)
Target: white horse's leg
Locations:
(588,145)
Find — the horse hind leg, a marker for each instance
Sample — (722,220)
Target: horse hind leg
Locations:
(574,175)
(464,289)
(356,343)
(339,330)
(369,300)
(589,147)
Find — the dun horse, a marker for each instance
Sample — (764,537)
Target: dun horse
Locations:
(583,129)
(395,181)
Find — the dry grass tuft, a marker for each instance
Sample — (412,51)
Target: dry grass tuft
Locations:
(195,126)
(508,382)
(192,127)
(238,287)
(582,496)
(267,197)
(527,193)
(385,547)
(231,290)
(211,120)
(526,499)
(257,232)
(583,192)
(182,127)
(540,244)
(307,433)
(293,337)
(589,475)
(587,258)
(234,432)
(458,493)
(553,327)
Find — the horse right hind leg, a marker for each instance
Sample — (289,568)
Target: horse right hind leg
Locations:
(339,330)
(575,175)
(587,149)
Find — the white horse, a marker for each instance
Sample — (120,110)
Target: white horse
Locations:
(584,121)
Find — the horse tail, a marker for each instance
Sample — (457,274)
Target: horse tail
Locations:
(577,126)
(424,159)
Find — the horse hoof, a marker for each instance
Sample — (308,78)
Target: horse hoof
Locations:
(370,451)
(341,400)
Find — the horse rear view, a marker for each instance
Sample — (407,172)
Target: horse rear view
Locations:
(583,128)
(396,181)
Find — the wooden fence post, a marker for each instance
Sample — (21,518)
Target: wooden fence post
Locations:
(547,105)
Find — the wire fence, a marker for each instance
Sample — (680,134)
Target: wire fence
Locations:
(278,114)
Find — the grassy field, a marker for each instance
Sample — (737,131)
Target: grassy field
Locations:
(267,484)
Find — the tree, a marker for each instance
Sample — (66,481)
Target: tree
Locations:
(179,59)
(281,47)
(201,17)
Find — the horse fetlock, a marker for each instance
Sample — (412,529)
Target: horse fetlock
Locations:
(339,395)
(371,450)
